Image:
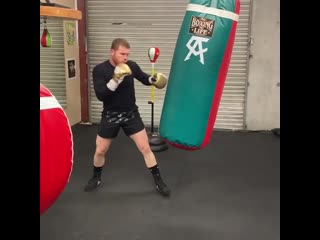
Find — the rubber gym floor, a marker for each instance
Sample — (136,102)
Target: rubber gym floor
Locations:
(229,190)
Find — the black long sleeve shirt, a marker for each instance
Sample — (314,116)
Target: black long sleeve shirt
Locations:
(123,98)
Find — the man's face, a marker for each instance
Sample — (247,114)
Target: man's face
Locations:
(120,55)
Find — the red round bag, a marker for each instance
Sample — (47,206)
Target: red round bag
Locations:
(56,149)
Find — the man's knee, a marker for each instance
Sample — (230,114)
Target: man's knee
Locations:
(144,148)
(101,151)
(142,142)
(102,145)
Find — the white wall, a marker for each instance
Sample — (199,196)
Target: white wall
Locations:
(263,98)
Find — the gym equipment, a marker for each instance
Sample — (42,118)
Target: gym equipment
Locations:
(198,71)
(155,141)
(56,149)
(46,39)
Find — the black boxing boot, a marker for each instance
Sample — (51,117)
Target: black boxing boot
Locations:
(160,185)
(95,181)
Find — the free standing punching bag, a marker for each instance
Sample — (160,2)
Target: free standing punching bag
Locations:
(155,141)
(198,71)
(56,149)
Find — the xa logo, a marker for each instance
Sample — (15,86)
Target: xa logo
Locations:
(197,44)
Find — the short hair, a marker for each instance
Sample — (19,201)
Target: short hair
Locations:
(119,42)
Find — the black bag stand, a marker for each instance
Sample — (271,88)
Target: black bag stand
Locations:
(155,141)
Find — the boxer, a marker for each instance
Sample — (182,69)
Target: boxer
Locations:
(113,82)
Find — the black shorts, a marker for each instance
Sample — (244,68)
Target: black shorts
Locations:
(111,122)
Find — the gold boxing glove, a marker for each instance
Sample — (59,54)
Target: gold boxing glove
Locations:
(159,80)
(120,71)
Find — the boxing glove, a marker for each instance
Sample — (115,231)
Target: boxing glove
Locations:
(159,80)
(120,71)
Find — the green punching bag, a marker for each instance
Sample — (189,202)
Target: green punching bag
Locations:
(198,71)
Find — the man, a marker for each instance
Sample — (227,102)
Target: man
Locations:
(113,82)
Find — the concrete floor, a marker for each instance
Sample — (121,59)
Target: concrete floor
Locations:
(230,190)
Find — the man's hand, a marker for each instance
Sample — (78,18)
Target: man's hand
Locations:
(120,71)
(159,80)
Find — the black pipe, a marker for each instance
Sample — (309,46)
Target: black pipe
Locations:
(152,110)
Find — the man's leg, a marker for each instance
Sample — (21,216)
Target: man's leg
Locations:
(141,140)
(102,146)
(107,131)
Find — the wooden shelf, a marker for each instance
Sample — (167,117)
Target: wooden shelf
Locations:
(59,12)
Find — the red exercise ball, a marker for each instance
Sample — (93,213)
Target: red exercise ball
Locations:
(56,149)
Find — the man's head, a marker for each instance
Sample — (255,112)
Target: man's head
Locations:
(120,50)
